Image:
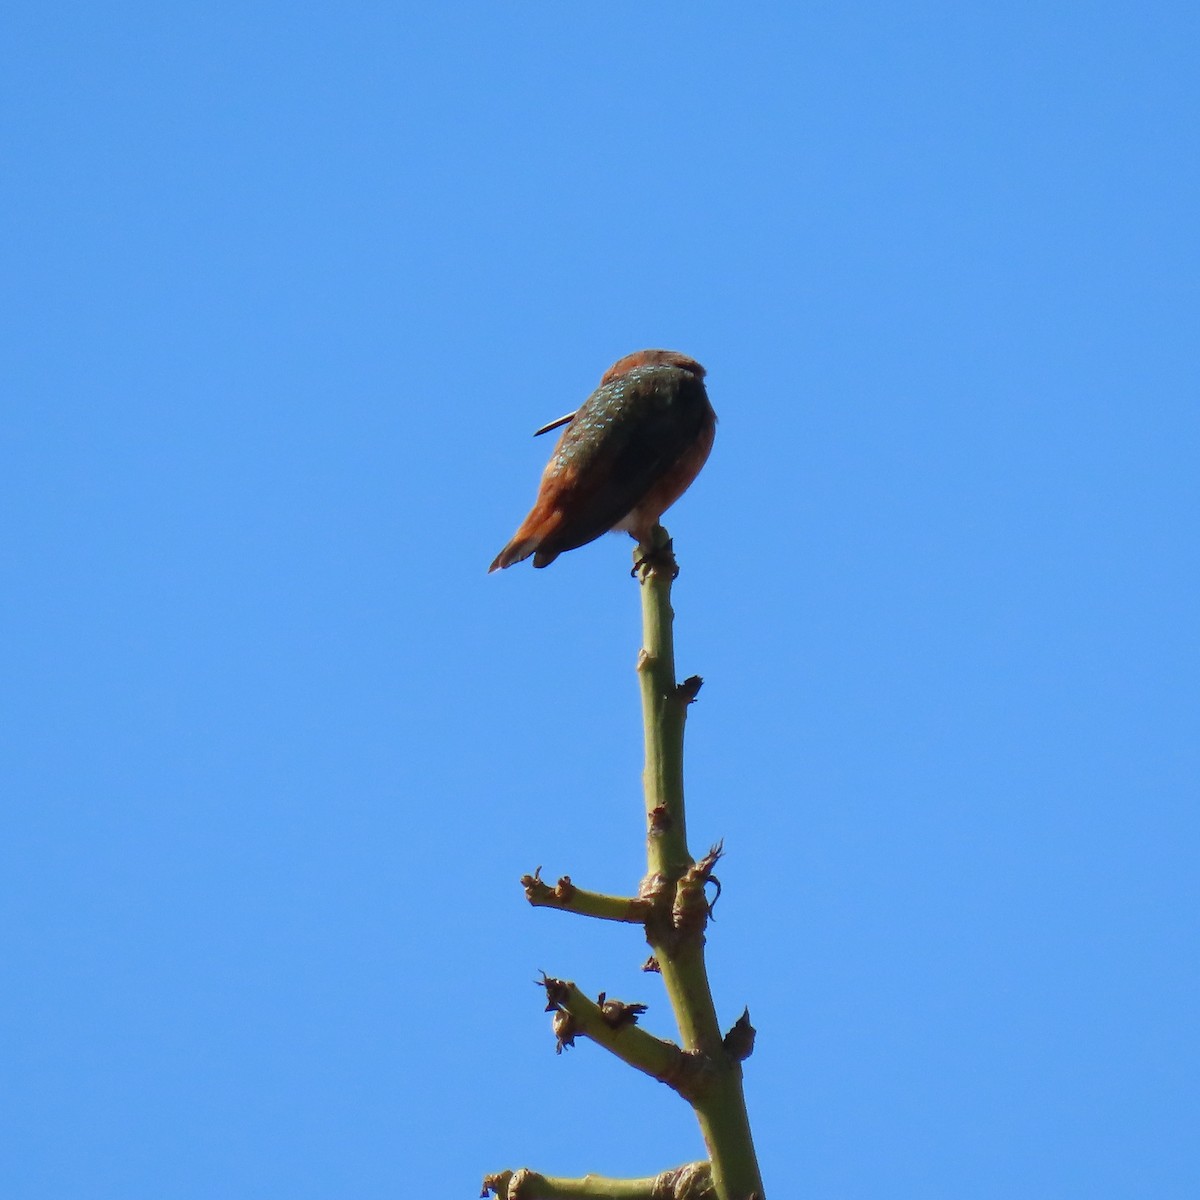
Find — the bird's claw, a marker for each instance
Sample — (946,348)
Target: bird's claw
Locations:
(655,558)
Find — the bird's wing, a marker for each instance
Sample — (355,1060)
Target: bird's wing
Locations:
(612,453)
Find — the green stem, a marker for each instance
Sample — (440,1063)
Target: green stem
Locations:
(721,1107)
(664,712)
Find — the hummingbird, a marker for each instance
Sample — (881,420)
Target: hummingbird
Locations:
(627,454)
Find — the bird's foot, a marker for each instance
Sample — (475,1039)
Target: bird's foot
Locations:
(660,556)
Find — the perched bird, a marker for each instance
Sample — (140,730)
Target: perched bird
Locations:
(626,455)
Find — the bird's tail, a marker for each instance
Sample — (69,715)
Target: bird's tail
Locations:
(540,530)
(516,551)
(519,549)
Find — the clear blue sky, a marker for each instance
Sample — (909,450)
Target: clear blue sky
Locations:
(287,291)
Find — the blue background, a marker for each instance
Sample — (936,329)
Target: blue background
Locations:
(287,291)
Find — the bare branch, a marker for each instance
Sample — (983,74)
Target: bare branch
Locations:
(566,896)
(612,1025)
(692,1181)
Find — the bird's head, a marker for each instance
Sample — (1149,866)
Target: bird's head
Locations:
(657,358)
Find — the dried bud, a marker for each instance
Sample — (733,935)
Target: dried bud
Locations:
(739,1041)
(692,1181)
(692,909)
(653,887)
(563,1026)
(558,991)
(535,889)
(706,864)
(616,1013)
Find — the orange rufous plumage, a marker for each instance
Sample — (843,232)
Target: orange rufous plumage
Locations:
(628,453)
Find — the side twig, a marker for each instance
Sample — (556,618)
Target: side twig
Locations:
(566,896)
(692,1181)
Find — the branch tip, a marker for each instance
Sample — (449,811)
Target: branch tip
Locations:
(655,558)
(536,888)
(558,991)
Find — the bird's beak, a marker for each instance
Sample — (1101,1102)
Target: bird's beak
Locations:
(553,424)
